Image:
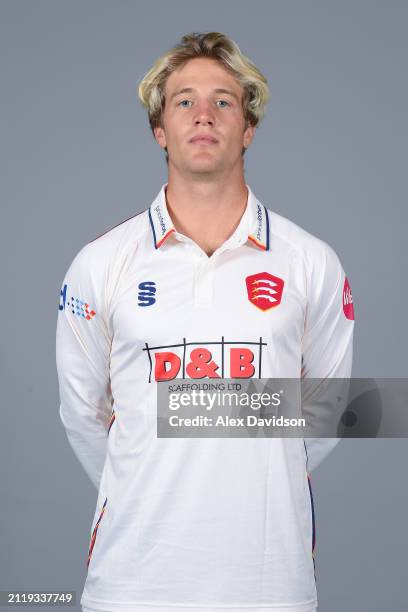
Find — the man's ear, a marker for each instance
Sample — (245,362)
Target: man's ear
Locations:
(248,135)
(160,136)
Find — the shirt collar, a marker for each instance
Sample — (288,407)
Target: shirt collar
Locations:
(254,223)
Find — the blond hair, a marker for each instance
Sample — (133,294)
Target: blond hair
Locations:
(212,45)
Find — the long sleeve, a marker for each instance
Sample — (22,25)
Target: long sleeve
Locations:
(327,346)
(82,357)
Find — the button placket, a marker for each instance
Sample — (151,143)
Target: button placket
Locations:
(203,281)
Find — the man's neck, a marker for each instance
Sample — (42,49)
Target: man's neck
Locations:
(207,212)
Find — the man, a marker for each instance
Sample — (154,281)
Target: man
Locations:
(172,293)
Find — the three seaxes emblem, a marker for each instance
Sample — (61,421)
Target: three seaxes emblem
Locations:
(264,290)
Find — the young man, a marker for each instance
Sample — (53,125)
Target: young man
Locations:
(198,524)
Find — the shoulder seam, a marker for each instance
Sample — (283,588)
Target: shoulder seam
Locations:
(118,224)
(286,239)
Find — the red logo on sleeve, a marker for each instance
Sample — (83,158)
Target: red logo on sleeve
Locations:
(348,307)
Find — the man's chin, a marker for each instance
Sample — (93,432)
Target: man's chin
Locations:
(205,173)
(204,166)
(200,166)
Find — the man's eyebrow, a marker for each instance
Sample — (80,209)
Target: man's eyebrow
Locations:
(217,90)
(227,91)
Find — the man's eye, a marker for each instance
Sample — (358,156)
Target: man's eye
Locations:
(186,103)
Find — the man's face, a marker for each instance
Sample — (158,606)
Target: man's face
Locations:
(203,99)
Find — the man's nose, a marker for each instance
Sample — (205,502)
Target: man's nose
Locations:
(204,114)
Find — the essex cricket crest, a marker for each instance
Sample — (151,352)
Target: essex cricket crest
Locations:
(264,290)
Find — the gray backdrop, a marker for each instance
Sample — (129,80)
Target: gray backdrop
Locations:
(77,157)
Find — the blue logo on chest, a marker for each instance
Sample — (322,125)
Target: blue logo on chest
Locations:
(147,293)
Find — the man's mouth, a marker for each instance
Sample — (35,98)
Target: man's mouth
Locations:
(203,140)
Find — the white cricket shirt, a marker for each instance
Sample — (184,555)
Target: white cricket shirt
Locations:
(197,524)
